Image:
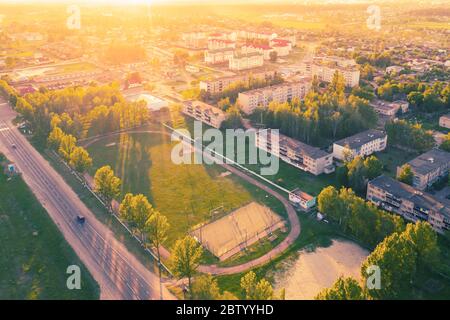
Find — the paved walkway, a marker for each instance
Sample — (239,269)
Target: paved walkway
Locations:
(214,269)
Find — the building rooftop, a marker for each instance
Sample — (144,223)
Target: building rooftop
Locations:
(404,191)
(246,55)
(274,87)
(360,139)
(429,161)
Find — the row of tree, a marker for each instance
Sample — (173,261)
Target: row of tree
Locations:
(66,145)
(80,111)
(329,115)
(357,217)
(356,172)
(400,257)
(412,136)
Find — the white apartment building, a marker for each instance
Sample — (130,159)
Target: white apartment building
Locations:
(218,55)
(361,144)
(263,49)
(219,84)
(195,40)
(246,61)
(214,44)
(250,100)
(389,109)
(247,34)
(294,152)
(204,112)
(324,69)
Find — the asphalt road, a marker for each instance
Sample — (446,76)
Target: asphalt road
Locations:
(119,274)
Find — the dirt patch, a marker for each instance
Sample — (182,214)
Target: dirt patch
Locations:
(305,275)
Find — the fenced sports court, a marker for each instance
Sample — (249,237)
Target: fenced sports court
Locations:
(239,229)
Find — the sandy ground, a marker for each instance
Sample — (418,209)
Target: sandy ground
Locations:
(307,274)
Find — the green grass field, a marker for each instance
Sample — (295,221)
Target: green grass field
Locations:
(186,194)
(392,158)
(34,256)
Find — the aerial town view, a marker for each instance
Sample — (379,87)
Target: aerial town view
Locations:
(224,150)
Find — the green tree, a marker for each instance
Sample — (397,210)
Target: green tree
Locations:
(67,145)
(424,238)
(54,138)
(374,167)
(156,229)
(445,145)
(185,258)
(107,184)
(254,289)
(126,208)
(406,174)
(342,289)
(80,159)
(273,56)
(205,288)
(396,258)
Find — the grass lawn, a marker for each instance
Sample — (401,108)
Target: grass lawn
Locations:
(185,193)
(393,157)
(34,256)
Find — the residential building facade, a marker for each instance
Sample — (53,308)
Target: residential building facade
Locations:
(361,144)
(219,84)
(324,69)
(217,56)
(409,202)
(239,62)
(294,152)
(204,112)
(250,100)
(429,168)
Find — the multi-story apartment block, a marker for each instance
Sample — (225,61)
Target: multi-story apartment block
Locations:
(219,84)
(263,49)
(389,109)
(217,56)
(284,92)
(410,203)
(214,44)
(429,168)
(296,153)
(246,61)
(204,112)
(247,34)
(444,121)
(324,69)
(281,46)
(194,40)
(361,144)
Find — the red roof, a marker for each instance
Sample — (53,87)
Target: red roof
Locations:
(282,41)
(216,34)
(25,90)
(260,46)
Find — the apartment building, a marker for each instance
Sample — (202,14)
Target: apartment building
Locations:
(263,49)
(324,69)
(361,144)
(294,152)
(281,46)
(194,40)
(429,168)
(218,56)
(246,61)
(204,112)
(390,109)
(264,35)
(409,202)
(444,121)
(219,84)
(250,100)
(214,44)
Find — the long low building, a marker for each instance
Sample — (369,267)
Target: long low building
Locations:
(410,203)
(250,100)
(217,85)
(204,112)
(429,168)
(294,152)
(246,61)
(361,144)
